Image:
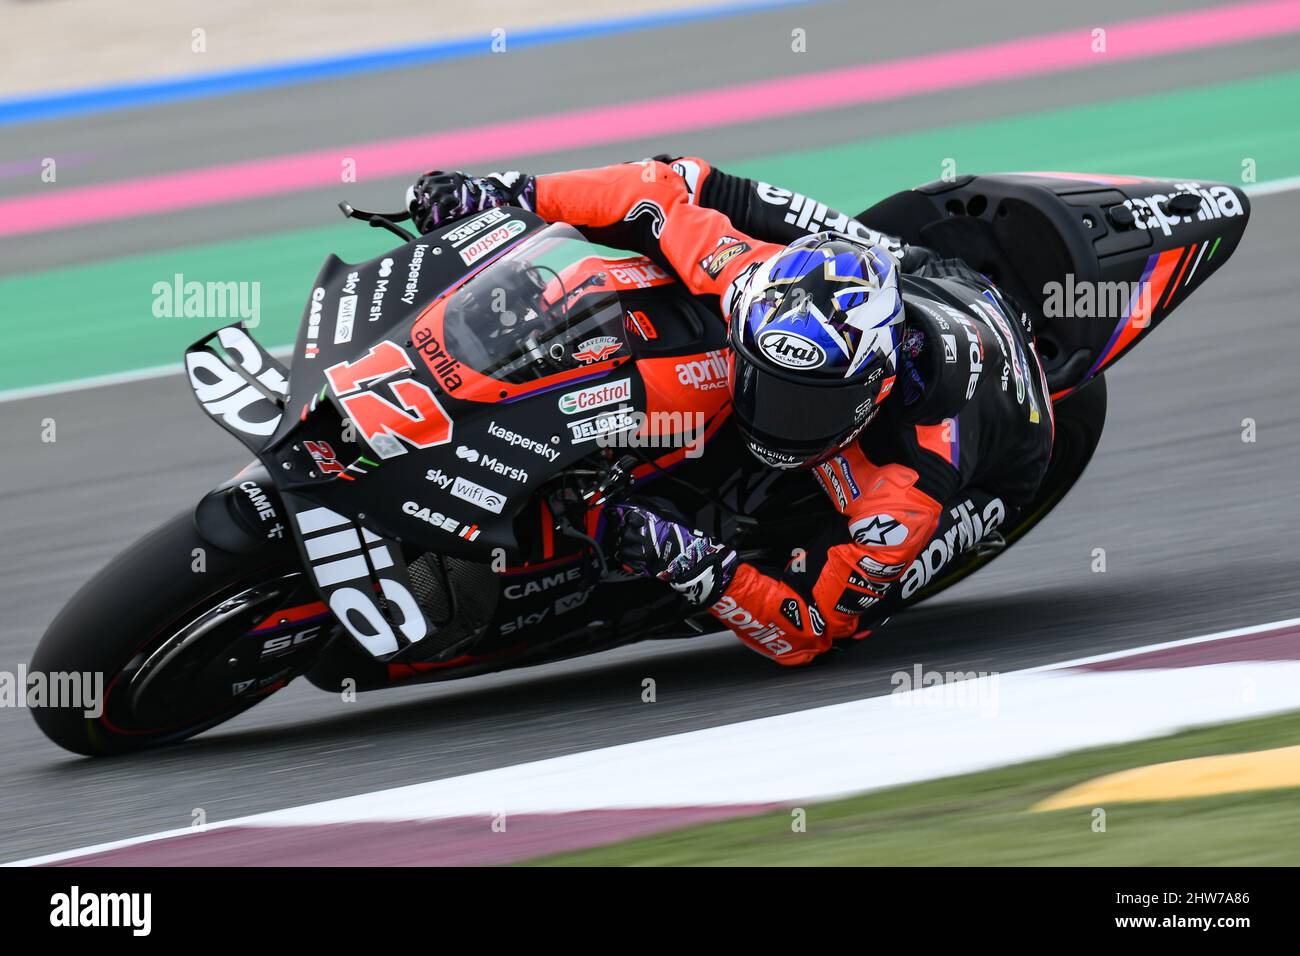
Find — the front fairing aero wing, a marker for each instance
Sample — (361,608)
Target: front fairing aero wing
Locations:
(360,575)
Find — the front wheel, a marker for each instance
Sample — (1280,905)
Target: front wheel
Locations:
(175,636)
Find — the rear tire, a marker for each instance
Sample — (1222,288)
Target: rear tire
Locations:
(130,614)
(1080,418)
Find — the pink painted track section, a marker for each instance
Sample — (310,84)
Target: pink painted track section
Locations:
(662,116)
(1279,645)
(459,841)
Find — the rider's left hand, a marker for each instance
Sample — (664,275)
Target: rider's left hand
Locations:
(438,197)
(692,564)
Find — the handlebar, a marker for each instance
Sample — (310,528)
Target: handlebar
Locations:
(381,220)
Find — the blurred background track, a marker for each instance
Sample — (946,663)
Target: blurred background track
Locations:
(1199,528)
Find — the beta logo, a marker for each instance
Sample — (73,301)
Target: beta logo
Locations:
(791,350)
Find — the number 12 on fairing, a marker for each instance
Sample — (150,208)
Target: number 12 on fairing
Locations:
(420,421)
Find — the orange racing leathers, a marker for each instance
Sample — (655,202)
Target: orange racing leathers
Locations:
(962,446)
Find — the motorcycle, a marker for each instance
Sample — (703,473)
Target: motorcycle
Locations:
(426,497)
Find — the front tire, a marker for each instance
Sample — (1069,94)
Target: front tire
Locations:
(165,629)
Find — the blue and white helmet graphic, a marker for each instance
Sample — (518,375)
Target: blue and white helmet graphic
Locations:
(816,330)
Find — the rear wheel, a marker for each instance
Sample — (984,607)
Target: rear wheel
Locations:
(181,636)
(1080,418)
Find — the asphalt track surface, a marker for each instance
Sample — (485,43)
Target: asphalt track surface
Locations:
(1199,528)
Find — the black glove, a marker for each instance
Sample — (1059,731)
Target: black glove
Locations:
(438,197)
(686,560)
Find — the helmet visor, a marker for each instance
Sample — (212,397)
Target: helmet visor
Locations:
(801,418)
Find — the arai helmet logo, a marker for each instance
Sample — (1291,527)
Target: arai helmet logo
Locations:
(791,350)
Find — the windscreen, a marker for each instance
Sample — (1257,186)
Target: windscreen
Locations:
(546,306)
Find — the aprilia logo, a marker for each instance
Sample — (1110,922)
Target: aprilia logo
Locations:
(970,528)
(224,393)
(334,549)
(706,374)
(770,637)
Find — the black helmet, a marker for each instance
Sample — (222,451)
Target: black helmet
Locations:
(815,331)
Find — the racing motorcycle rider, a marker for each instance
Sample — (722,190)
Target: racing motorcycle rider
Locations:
(827,319)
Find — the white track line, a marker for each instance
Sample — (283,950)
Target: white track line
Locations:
(1269,188)
(824,752)
(116,378)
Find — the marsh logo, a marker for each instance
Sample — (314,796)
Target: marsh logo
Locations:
(75,908)
(791,350)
